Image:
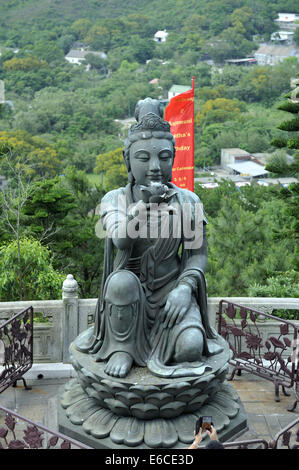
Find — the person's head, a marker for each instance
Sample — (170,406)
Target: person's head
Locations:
(214,445)
(150,147)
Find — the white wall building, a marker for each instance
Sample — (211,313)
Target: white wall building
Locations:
(177,90)
(271,54)
(78,56)
(160,36)
(288,21)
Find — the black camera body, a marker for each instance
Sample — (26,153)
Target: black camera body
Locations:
(204,422)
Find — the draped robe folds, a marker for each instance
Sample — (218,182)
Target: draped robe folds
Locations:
(154,345)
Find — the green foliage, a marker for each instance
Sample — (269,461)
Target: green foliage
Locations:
(247,237)
(284,284)
(32,277)
(112,169)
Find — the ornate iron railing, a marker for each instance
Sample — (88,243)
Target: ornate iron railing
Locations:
(18,432)
(249,444)
(272,358)
(287,437)
(16,348)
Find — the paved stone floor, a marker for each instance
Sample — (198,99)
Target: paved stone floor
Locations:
(265,416)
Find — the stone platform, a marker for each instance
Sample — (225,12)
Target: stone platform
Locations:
(145,411)
(101,429)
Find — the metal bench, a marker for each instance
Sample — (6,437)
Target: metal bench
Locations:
(273,358)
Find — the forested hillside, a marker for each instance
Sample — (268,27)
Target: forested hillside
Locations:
(61,135)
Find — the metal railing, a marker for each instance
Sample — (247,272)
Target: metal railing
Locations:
(273,358)
(16,348)
(18,432)
(287,437)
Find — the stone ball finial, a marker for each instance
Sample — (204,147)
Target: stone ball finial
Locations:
(70,284)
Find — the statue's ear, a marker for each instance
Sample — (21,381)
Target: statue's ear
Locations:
(126,160)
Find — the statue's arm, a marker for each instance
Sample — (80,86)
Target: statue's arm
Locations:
(116,217)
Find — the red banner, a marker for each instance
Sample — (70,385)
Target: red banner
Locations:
(180,115)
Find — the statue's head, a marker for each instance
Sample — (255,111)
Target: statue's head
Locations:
(150,147)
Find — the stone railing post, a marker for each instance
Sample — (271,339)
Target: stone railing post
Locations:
(70,323)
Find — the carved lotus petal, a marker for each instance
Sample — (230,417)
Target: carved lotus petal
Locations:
(187,395)
(173,409)
(117,407)
(185,425)
(229,391)
(159,399)
(195,404)
(72,396)
(115,387)
(128,431)
(100,424)
(80,411)
(160,434)
(72,383)
(144,390)
(225,404)
(145,411)
(90,375)
(84,380)
(128,398)
(176,388)
(92,393)
(203,381)
(102,391)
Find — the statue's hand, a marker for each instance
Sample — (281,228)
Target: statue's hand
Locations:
(178,302)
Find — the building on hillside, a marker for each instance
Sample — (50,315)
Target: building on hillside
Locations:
(161,36)
(78,56)
(271,54)
(283,37)
(287,21)
(239,162)
(177,90)
(246,61)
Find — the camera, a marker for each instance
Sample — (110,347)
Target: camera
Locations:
(204,422)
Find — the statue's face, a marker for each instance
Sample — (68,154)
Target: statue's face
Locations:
(151,160)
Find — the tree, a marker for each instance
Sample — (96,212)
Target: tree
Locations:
(38,280)
(219,110)
(291,125)
(81,27)
(112,169)
(80,250)
(35,155)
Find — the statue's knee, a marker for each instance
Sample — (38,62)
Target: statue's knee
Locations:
(189,346)
(122,299)
(122,288)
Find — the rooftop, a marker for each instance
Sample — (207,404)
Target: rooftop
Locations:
(79,54)
(248,168)
(236,152)
(179,88)
(276,50)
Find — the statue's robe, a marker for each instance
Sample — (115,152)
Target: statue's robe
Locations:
(154,345)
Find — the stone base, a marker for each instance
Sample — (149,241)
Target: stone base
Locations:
(101,429)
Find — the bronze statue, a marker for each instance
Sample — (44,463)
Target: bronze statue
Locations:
(151,364)
(152,309)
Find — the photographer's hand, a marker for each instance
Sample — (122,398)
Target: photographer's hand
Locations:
(212,433)
(197,440)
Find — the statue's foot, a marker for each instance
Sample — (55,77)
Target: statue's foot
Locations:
(119,364)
